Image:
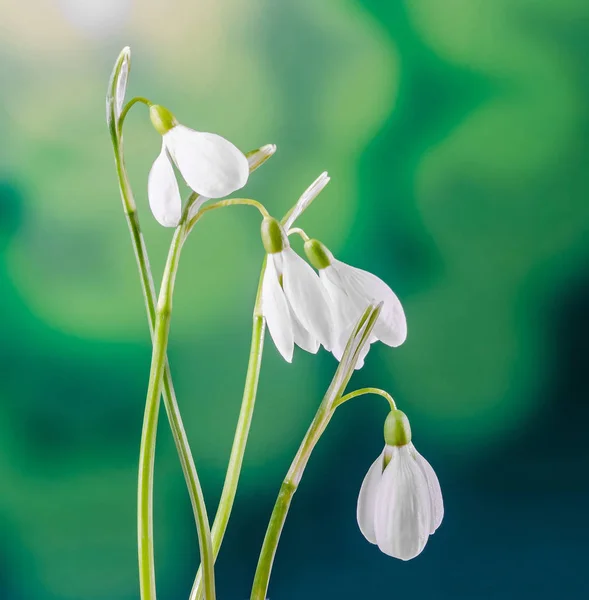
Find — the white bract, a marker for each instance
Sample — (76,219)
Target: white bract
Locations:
(294,303)
(351,290)
(306,198)
(211,166)
(117,89)
(400,505)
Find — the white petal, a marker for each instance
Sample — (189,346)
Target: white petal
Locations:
(211,165)
(367,499)
(346,310)
(307,297)
(435,491)
(303,339)
(403,507)
(391,327)
(276,312)
(163,192)
(343,310)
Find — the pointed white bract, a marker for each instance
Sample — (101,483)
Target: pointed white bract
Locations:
(295,305)
(163,192)
(306,198)
(400,505)
(121,87)
(351,290)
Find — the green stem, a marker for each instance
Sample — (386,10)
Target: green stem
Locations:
(360,336)
(364,391)
(287,490)
(149,432)
(170,402)
(129,106)
(241,435)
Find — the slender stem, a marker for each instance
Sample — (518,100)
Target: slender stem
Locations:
(149,432)
(362,392)
(287,490)
(359,337)
(170,402)
(224,203)
(241,435)
(298,231)
(129,106)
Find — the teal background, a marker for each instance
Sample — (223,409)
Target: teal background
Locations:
(456,136)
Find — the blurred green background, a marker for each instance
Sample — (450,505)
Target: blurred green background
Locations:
(456,134)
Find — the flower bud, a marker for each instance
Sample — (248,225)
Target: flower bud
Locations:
(162,119)
(319,256)
(273,236)
(397,431)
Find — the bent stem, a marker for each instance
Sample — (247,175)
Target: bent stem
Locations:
(170,402)
(360,336)
(244,422)
(148,439)
(363,392)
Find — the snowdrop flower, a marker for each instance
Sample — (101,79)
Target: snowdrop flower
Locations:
(211,166)
(294,303)
(351,290)
(400,503)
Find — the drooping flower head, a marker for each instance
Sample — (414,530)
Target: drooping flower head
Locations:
(351,290)
(294,303)
(211,166)
(400,503)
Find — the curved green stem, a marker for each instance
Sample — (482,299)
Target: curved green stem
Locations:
(148,439)
(129,106)
(241,435)
(223,204)
(299,232)
(358,339)
(364,391)
(170,402)
(150,419)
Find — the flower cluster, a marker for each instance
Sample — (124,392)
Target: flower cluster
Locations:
(310,303)
(312,309)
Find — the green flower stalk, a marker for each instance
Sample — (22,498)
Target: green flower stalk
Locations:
(116,114)
(359,337)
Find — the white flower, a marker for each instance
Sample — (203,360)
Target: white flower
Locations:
(211,166)
(400,505)
(294,303)
(351,290)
